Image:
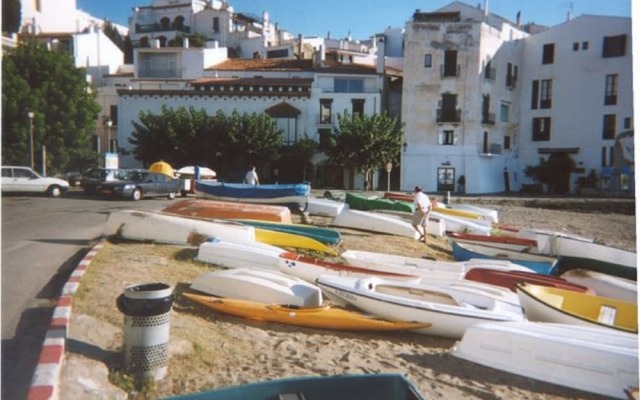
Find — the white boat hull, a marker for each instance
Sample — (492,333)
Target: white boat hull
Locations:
(591,359)
(603,284)
(450,310)
(171,229)
(381,223)
(324,207)
(259,285)
(239,254)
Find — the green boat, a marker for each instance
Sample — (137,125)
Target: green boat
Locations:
(344,387)
(326,236)
(365,203)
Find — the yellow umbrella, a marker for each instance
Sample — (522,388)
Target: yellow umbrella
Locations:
(162,167)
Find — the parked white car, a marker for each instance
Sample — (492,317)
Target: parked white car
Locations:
(17,179)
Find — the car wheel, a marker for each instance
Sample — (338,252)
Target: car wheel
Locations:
(55,191)
(136,195)
(171,195)
(183,193)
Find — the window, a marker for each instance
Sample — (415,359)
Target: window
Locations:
(611,153)
(427,61)
(603,156)
(325,111)
(611,90)
(511,75)
(504,112)
(585,45)
(609,126)
(447,111)
(614,46)
(507,142)
(113,114)
(450,63)
(546,86)
(216,24)
(288,126)
(541,129)
(447,138)
(357,106)
(548,51)
(627,123)
(489,73)
(576,46)
(346,85)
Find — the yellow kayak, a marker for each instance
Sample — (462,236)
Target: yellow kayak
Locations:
(458,213)
(283,239)
(549,304)
(324,317)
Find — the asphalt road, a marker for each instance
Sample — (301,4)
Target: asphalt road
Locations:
(43,239)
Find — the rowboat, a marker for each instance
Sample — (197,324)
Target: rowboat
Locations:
(294,196)
(450,309)
(459,210)
(538,263)
(229,210)
(290,240)
(310,268)
(386,386)
(358,201)
(592,359)
(455,223)
(428,270)
(261,285)
(604,285)
(323,235)
(171,229)
(239,254)
(503,242)
(324,317)
(373,222)
(324,207)
(510,279)
(546,304)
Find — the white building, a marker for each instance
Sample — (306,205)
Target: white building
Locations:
(484,99)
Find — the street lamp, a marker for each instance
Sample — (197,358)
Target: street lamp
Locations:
(109,124)
(31,114)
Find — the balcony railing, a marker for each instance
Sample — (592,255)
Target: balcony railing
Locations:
(324,119)
(488,118)
(448,115)
(610,100)
(158,73)
(491,149)
(490,73)
(449,71)
(161,28)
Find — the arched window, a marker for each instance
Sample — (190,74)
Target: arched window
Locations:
(178,22)
(165,23)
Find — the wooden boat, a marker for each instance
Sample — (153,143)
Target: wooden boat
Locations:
(294,196)
(283,239)
(261,285)
(591,359)
(450,309)
(310,268)
(604,285)
(324,207)
(323,235)
(362,202)
(578,252)
(510,279)
(205,208)
(386,386)
(538,263)
(171,229)
(324,317)
(503,242)
(239,254)
(428,270)
(547,304)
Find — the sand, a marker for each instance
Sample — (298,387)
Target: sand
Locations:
(211,351)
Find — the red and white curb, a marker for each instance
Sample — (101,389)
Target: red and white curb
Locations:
(44,384)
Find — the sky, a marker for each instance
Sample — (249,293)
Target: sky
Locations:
(363,18)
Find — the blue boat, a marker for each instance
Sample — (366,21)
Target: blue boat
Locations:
(343,387)
(538,263)
(294,196)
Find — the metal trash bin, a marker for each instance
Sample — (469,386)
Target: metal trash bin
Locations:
(147,309)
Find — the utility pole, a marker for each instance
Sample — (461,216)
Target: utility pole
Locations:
(31,114)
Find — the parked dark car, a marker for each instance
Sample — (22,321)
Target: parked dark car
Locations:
(93,177)
(137,184)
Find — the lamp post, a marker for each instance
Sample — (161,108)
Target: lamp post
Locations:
(109,124)
(31,114)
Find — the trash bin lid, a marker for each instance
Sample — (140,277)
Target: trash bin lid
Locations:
(155,290)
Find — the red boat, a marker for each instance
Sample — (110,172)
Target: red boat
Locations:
(509,279)
(229,210)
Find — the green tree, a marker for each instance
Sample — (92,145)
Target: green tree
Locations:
(48,84)
(112,33)
(11,16)
(364,143)
(554,172)
(293,165)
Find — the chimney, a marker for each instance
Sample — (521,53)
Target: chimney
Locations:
(380,55)
(519,19)
(486,8)
(300,47)
(569,16)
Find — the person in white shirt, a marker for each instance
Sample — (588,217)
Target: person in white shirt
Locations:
(420,219)
(252,177)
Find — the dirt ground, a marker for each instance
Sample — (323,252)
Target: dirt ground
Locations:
(210,350)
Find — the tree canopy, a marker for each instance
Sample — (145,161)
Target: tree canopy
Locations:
(189,136)
(554,172)
(364,143)
(48,84)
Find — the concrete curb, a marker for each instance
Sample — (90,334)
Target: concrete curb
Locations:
(44,384)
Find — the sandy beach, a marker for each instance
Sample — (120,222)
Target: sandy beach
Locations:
(210,350)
